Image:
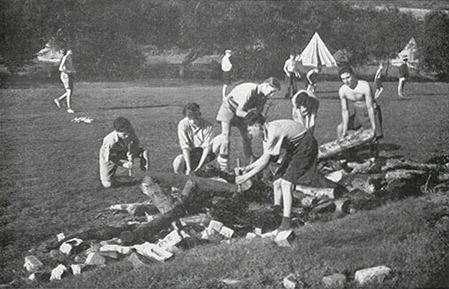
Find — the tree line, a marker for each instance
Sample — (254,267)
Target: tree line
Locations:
(108,35)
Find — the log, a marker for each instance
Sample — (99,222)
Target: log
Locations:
(213,187)
(405,174)
(394,164)
(330,193)
(358,138)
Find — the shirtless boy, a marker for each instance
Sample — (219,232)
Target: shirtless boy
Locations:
(358,108)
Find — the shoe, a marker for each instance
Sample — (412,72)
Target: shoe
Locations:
(57,102)
(70,110)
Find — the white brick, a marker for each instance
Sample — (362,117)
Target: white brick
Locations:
(373,274)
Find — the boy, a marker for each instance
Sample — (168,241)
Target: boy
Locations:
(403,77)
(312,78)
(378,81)
(234,108)
(291,75)
(226,67)
(196,142)
(305,109)
(67,74)
(118,149)
(358,108)
(297,168)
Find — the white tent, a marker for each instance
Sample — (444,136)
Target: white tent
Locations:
(316,53)
(50,53)
(410,52)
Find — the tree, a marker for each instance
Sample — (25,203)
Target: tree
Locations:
(434,43)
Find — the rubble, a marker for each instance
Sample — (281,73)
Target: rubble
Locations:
(373,274)
(153,251)
(95,258)
(58,272)
(336,281)
(32,264)
(284,238)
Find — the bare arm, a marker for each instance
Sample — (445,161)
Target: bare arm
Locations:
(253,169)
(344,113)
(370,106)
(62,64)
(285,68)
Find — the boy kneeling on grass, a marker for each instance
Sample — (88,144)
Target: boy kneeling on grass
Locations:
(119,148)
(298,167)
(196,140)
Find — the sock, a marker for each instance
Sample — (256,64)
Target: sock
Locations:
(223,162)
(285,225)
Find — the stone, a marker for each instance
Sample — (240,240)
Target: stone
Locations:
(373,274)
(334,281)
(342,205)
(293,282)
(172,239)
(153,251)
(60,237)
(32,264)
(57,255)
(65,248)
(200,219)
(215,225)
(138,260)
(57,273)
(270,235)
(95,258)
(250,236)
(226,232)
(208,233)
(116,248)
(109,254)
(285,238)
(335,176)
(258,231)
(76,268)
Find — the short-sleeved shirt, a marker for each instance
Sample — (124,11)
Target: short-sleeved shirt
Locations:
(284,133)
(191,136)
(115,149)
(245,96)
(226,64)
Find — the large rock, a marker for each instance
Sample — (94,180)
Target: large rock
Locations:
(373,274)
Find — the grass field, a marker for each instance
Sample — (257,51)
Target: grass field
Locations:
(49,181)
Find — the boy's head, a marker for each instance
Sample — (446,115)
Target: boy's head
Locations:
(301,99)
(192,112)
(270,86)
(228,51)
(346,75)
(122,126)
(254,121)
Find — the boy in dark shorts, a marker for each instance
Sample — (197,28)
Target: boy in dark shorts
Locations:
(299,167)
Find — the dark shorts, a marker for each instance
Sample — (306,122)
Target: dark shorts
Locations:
(195,157)
(298,166)
(359,118)
(227,77)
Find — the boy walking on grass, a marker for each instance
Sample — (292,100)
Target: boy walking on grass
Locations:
(378,81)
(119,148)
(67,74)
(196,140)
(297,168)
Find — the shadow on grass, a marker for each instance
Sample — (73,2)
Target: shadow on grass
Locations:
(136,107)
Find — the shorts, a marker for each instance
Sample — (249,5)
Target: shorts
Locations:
(108,168)
(359,118)
(225,114)
(227,77)
(67,80)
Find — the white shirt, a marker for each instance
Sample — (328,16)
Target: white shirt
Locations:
(279,131)
(226,64)
(191,136)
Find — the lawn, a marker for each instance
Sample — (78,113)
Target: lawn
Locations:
(49,178)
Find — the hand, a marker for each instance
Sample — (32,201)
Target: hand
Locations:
(240,180)
(128,165)
(188,171)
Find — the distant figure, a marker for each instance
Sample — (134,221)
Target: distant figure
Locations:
(298,167)
(312,78)
(196,140)
(118,149)
(226,67)
(291,75)
(403,77)
(378,81)
(67,74)
(305,108)
(243,99)
(358,108)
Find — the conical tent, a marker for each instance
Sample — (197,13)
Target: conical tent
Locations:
(316,53)
(410,52)
(50,53)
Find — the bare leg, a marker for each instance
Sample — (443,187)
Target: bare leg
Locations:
(146,160)
(247,149)
(340,131)
(401,87)
(69,94)
(179,166)
(287,189)
(277,191)
(223,91)
(223,157)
